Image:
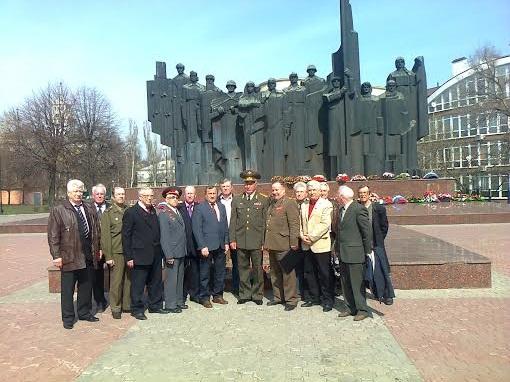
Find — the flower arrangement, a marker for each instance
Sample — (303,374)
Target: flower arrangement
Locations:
(399,199)
(444,197)
(387,199)
(358,177)
(430,197)
(303,178)
(277,178)
(388,176)
(403,176)
(430,175)
(414,199)
(320,178)
(373,177)
(342,178)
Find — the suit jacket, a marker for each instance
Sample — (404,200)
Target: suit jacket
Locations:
(247,220)
(379,225)
(140,235)
(353,239)
(282,225)
(191,244)
(317,226)
(173,232)
(207,230)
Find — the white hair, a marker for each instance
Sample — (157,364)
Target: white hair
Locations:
(324,186)
(313,185)
(300,186)
(75,184)
(190,188)
(118,189)
(98,187)
(144,189)
(346,192)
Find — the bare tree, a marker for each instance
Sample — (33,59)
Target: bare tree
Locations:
(41,131)
(154,152)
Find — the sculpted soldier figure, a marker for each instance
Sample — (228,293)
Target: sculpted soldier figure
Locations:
(369,118)
(209,173)
(251,124)
(296,97)
(178,82)
(192,122)
(226,136)
(396,123)
(277,131)
(315,121)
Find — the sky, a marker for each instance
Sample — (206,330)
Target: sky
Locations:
(113,45)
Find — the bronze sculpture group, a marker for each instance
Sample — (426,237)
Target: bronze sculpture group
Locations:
(313,126)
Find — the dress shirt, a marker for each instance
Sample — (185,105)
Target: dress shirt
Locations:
(227,202)
(82,211)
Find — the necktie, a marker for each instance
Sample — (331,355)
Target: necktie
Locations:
(216,210)
(99,211)
(342,211)
(190,210)
(82,221)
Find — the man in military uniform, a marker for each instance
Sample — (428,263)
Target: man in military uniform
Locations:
(281,236)
(111,244)
(247,221)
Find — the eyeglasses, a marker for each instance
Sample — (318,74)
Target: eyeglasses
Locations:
(171,197)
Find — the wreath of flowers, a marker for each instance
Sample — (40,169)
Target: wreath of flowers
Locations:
(342,178)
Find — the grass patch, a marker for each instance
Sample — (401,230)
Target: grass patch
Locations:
(23,209)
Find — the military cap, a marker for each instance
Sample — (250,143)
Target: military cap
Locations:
(231,83)
(172,191)
(311,67)
(249,175)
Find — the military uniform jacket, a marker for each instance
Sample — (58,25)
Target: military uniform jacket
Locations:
(111,231)
(282,225)
(247,220)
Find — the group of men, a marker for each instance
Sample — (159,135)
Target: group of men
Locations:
(295,240)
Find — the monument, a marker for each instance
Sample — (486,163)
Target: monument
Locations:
(314,126)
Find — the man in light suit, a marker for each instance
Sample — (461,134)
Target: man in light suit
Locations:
(353,244)
(210,229)
(315,225)
(173,244)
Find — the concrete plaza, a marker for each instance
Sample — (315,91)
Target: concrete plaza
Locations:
(427,335)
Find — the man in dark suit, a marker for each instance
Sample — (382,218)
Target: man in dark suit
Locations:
(73,238)
(99,206)
(379,224)
(353,244)
(210,228)
(142,252)
(191,261)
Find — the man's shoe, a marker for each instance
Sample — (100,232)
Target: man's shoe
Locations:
(184,306)
(327,308)
(193,299)
(243,301)
(288,307)
(139,316)
(219,300)
(89,318)
(173,310)
(160,311)
(345,313)
(116,315)
(308,304)
(360,316)
(388,301)
(126,310)
(68,325)
(258,302)
(206,304)
(273,303)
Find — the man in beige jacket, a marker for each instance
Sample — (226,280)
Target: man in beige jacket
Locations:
(315,225)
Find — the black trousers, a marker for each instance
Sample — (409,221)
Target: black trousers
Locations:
(98,287)
(216,261)
(319,277)
(300,275)
(68,280)
(191,278)
(150,275)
